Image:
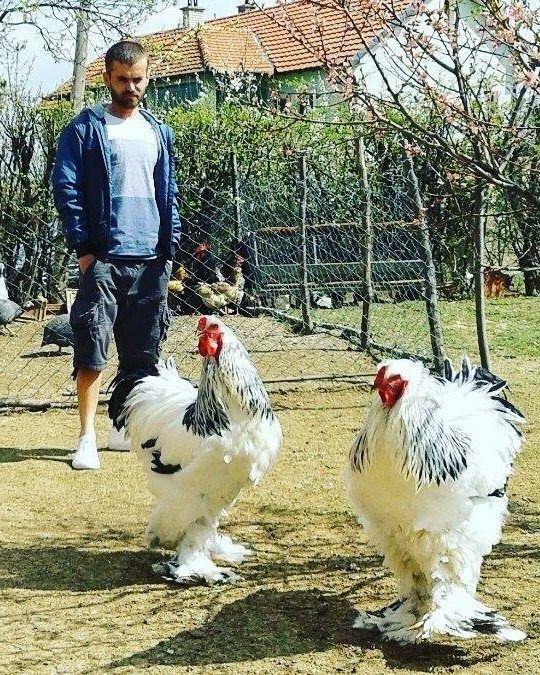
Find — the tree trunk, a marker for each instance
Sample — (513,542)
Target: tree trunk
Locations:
(432,307)
(480,197)
(81,56)
(529,259)
(307,324)
(365,327)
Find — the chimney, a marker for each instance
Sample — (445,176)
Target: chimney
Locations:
(248,6)
(192,14)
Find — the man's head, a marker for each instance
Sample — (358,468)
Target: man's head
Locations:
(126,74)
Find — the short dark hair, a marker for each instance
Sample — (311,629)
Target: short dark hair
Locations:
(126,51)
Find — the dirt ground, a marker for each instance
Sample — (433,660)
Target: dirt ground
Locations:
(31,372)
(78,593)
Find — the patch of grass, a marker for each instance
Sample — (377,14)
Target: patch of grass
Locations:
(513,325)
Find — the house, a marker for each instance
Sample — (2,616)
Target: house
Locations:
(284,50)
(436,46)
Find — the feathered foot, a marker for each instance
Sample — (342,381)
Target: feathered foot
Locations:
(223,547)
(199,568)
(466,624)
(192,561)
(392,622)
(370,620)
(458,614)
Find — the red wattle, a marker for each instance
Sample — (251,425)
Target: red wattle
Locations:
(208,346)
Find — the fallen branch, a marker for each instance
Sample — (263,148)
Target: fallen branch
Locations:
(352,335)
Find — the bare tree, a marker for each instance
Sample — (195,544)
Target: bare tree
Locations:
(475,65)
(50,21)
(459,80)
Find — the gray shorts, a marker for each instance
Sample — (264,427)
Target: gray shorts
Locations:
(127,299)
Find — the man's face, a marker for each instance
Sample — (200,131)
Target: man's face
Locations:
(126,83)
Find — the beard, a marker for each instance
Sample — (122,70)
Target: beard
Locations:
(125,100)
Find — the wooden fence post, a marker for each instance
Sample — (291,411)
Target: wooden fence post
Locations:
(434,318)
(307,324)
(81,57)
(367,300)
(236,196)
(480,198)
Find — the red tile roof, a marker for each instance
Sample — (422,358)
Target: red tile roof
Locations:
(296,35)
(229,48)
(302,34)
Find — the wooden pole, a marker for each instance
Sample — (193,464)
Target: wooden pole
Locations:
(81,56)
(365,328)
(480,198)
(307,324)
(434,318)
(236,196)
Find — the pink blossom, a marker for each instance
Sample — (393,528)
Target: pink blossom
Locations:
(419,5)
(518,12)
(530,79)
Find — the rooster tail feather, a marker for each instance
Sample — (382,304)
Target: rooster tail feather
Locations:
(122,385)
(448,370)
(483,378)
(495,387)
(513,413)
(466,368)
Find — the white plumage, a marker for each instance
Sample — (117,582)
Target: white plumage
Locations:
(427,476)
(200,447)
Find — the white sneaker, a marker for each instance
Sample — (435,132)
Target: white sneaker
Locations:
(86,455)
(117,440)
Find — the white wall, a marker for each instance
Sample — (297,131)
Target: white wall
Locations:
(394,61)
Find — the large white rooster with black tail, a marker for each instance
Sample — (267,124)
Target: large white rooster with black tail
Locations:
(427,476)
(200,448)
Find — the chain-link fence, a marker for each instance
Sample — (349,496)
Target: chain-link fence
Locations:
(322,259)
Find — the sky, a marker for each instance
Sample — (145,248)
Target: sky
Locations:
(44,74)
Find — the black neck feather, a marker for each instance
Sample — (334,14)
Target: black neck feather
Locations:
(224,382)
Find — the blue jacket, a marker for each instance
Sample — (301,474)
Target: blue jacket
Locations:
(82,186)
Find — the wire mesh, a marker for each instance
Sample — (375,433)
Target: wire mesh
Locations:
(242,257)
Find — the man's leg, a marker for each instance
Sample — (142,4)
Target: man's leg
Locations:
(143,318)
(140,326)
(92,316)
(86,455)
(88,385)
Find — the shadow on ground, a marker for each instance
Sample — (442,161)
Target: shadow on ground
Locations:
(8,455)
(76,569)
(272,623)
(72,569)
(63,455)
(46,354)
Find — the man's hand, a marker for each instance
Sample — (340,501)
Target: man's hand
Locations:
(85,261)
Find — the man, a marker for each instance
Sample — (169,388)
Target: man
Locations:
(115,191)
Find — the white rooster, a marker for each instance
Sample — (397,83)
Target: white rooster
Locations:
(427,476)
(200,447)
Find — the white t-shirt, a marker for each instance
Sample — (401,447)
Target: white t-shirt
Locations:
(135,216)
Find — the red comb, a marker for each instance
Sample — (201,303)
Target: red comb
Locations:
(201,325)
(381,374)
